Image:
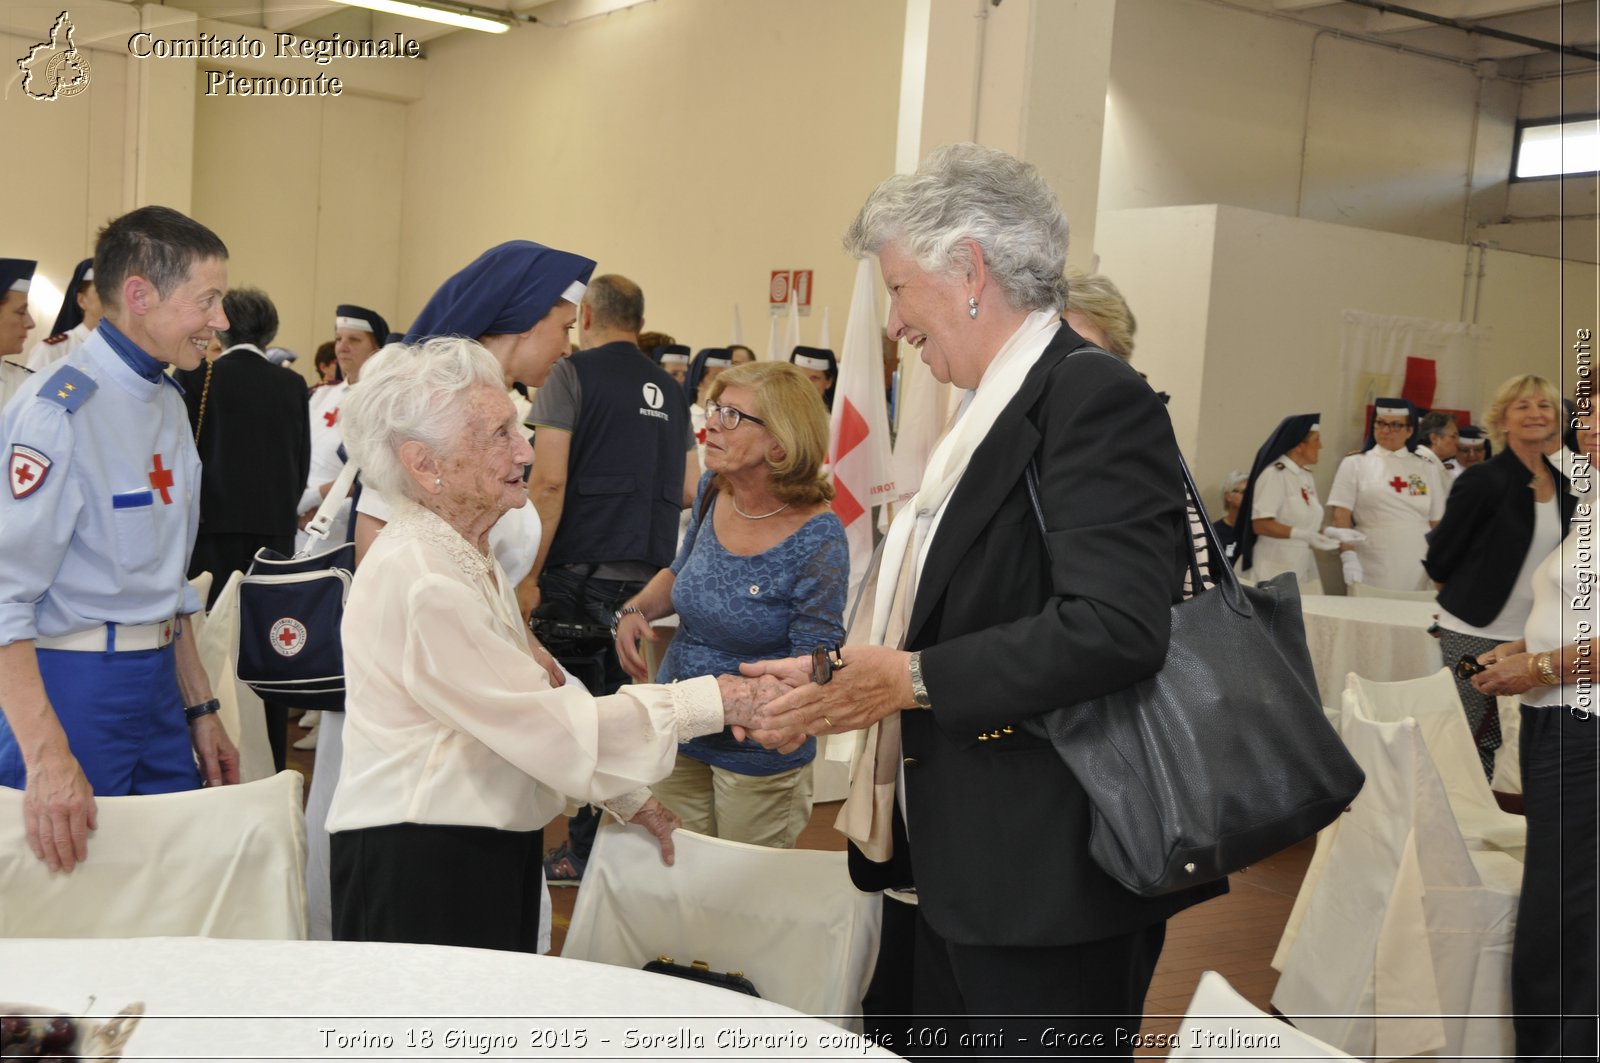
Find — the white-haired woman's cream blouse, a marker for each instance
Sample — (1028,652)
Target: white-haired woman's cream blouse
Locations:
(450,720)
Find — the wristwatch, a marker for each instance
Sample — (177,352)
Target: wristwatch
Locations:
(919,689)
(192,713)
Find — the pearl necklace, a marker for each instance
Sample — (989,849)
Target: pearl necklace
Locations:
(756,516)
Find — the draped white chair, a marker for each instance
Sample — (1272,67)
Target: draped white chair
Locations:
(1221,1024)
(1432,701)
(1508,758)
(789,919)
(1400,944)
(243,715)
(224,862)
(1366,590)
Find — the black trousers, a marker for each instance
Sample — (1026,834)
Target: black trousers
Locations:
(223,554)
(971,1000)
(477,887)
(1554,991)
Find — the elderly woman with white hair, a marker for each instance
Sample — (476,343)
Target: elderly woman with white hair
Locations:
(458,745)
(983,621)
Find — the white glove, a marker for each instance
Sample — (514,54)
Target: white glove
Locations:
(1351,563)
(1315,539)
(1344,535)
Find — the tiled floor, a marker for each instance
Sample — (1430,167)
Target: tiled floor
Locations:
(1235,935)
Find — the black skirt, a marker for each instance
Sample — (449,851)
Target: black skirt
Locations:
(477,887)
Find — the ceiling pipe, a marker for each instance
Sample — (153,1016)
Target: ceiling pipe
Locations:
(1482,31)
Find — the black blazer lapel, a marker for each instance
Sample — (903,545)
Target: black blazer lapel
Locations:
(994,470)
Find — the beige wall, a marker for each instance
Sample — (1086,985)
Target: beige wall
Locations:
(1211,104)
(1239,315)
(307,196)
(692,145)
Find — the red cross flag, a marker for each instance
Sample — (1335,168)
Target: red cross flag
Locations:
(859,436)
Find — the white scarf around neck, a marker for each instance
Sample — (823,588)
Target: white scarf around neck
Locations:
(948,462)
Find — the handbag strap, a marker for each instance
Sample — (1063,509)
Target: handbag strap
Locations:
(317,527)
(1227,579)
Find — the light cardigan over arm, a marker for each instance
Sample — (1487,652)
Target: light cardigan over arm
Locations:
(450,720)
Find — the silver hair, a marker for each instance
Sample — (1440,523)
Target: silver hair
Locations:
(412,393)
(970,192)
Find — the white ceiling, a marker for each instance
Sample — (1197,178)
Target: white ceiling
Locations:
(1573,23)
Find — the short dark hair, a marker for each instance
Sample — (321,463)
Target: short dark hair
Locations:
(251,318)
(1434,424)
(157,243)
(616,303)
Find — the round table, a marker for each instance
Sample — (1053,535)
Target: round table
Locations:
(1377,638)
(333,1000)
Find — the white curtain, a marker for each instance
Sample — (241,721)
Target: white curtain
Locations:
(1432,363)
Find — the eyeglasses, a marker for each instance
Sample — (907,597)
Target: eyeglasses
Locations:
(730,416)
(1392,426)
(1469,666)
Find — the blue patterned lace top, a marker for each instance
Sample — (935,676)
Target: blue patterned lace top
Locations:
(783,602)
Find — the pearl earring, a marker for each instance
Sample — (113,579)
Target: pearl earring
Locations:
(438,481)
(972,307)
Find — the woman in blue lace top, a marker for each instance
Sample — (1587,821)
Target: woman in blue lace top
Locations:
(761,575)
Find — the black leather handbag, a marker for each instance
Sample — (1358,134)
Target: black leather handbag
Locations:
(1220,759)
(700,971)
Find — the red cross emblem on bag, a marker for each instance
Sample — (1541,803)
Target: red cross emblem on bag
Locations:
(288,636)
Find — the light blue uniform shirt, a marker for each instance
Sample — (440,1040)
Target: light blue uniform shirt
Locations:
(102,499)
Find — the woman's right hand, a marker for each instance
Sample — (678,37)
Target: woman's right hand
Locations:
(630,630)
(1502,651)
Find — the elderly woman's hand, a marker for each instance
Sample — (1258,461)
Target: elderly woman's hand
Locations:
(874,682)
(660,821)
(546,661)
(630,629)
(1507,675)
(743,696)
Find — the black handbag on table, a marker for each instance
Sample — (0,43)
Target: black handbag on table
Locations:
(1220,759)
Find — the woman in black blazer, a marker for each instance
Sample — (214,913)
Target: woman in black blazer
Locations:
(978,624)
(1503,517)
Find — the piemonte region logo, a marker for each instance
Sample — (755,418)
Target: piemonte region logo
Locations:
(55,69)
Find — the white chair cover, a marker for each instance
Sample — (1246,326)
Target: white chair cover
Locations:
(1221,1024)
(1432,701)
(790,919)
(243,715)
(1403,945)
(1508,758)
(227,862)
(1364,590)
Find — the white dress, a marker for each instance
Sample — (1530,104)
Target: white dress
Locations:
(1286,493)
(326,438)
(1393,496)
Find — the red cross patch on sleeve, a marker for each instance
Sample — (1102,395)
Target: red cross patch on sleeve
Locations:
(28,470)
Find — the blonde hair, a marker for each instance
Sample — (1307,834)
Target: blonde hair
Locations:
(796,418)
(1511,391)
(1096,298)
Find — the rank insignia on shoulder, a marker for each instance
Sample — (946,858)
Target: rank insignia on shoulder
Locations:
(60,337)
(28,469)
(1277,465)
(68,388)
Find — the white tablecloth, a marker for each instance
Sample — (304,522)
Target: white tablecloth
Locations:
(333,1000)
(1376,638)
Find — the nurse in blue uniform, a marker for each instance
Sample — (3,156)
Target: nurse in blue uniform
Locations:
(101,685)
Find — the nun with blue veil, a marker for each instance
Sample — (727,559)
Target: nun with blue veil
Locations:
(80,313)
(1281,516)
(519,300)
